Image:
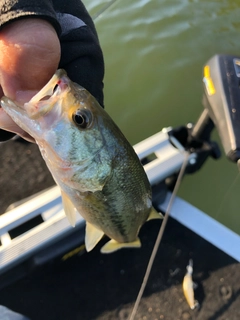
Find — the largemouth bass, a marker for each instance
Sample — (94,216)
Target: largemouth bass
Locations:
(97,170)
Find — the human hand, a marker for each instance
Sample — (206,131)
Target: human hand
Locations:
(29,56)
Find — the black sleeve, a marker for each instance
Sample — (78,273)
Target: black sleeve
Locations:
(81,54)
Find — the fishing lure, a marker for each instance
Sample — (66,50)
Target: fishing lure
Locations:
(188,287)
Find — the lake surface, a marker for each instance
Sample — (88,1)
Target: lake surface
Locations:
(154,55)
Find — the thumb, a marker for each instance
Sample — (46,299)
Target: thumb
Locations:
(29,55)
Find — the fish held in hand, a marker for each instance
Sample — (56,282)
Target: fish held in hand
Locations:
(97,170)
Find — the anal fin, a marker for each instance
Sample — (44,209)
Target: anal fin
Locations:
(155,215)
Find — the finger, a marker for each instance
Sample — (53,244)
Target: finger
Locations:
(29,55)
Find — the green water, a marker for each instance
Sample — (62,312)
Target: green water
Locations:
(154,54)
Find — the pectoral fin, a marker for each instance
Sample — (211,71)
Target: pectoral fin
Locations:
(155,215)
(69,209)
(113,245)
(92,236)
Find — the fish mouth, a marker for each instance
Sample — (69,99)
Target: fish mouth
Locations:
(43,102)
(58,81)
(45,99)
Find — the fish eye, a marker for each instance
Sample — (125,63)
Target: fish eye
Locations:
(82,118)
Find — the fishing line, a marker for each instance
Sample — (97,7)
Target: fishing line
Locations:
(109,4)
(164,223)
(159,237)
